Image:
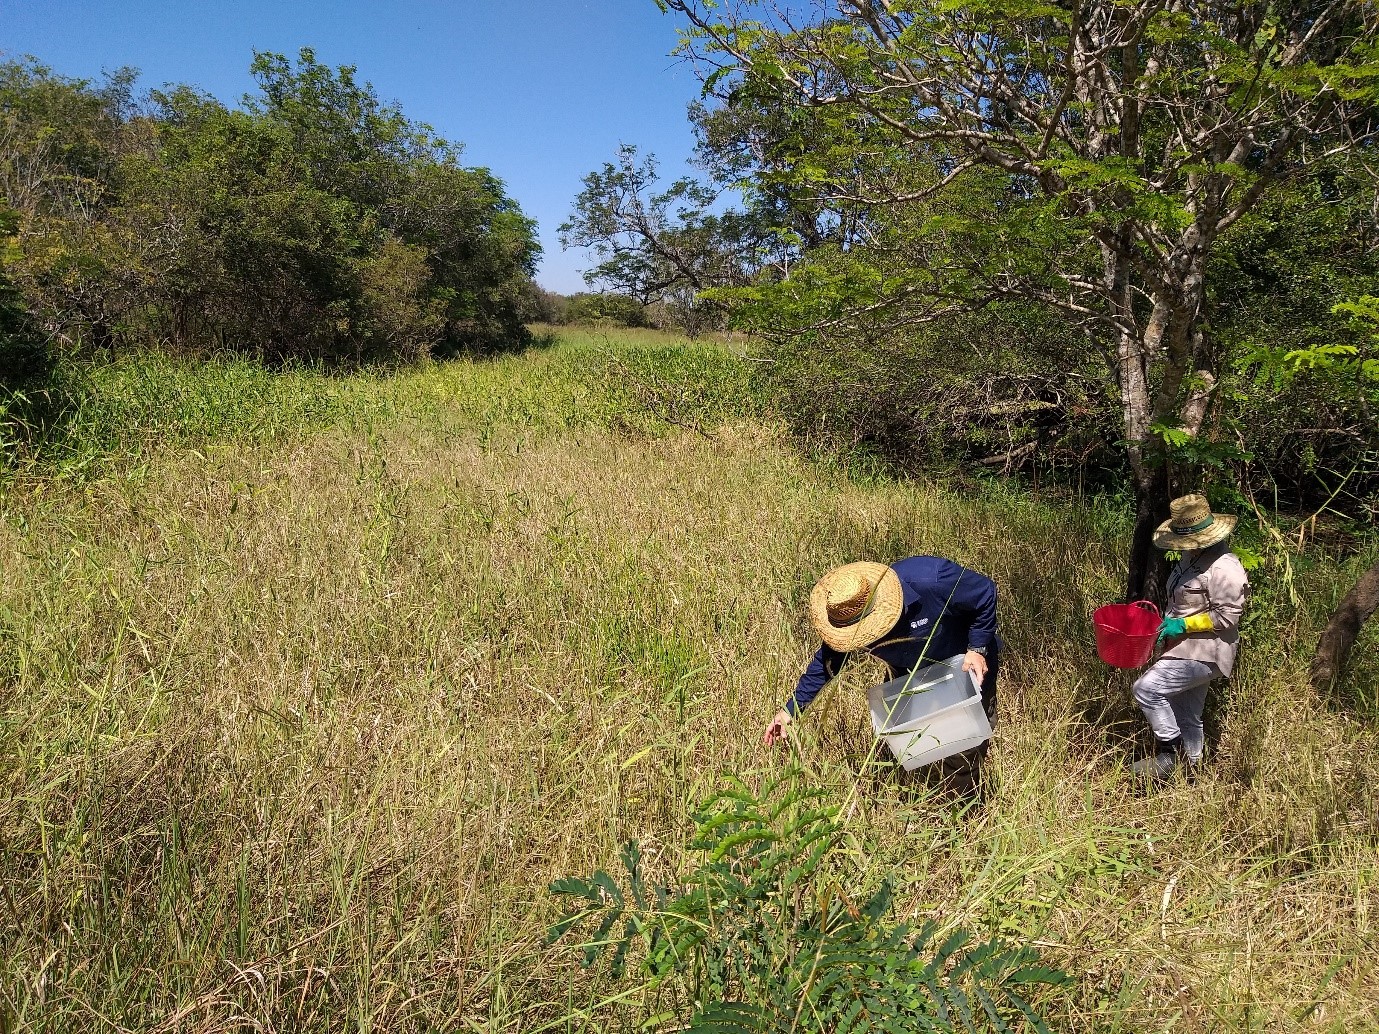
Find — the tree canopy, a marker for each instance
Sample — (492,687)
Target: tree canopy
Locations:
(313,222)
(1090,159)
(664,246)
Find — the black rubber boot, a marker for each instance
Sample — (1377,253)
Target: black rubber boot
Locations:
(1162,763)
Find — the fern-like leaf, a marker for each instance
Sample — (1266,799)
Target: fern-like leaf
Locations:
(774,931)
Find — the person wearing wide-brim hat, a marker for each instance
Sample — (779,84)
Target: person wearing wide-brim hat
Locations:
(916,611)
(1199,636)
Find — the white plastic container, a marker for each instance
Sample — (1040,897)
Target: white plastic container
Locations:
(930,714)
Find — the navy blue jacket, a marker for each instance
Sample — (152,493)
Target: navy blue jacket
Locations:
(948,608)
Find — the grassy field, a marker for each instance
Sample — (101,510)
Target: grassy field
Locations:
(309,686)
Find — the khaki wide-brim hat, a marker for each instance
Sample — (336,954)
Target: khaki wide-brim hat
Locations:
(855,605)
(1192,525)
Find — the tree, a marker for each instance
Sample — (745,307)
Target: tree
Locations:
(619,310)
(664,246)
(59,137)
(482,251)
(31,395)
(539,305)
(1275,282)
(1130,135)
(61,142)
(316,222)
(410,185)
(22,352)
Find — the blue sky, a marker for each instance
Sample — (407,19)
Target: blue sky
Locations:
(540,91)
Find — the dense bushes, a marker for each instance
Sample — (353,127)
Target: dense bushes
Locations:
(605,308)
(862,359)
(315,223)
(996,391)
(17,344)
(1003,389)
(26,361)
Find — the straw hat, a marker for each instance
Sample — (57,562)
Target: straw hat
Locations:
(1192,525)
(855,605)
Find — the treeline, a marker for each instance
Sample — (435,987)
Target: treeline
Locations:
(314,222)
(598,308)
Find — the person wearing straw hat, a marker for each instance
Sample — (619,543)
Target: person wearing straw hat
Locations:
(1199,636)
(916,611)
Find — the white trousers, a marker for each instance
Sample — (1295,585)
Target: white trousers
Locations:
(1172,694)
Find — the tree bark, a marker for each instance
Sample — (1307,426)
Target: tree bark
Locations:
(1195,408)
(1333,648)
(1145,571)
(1148,574)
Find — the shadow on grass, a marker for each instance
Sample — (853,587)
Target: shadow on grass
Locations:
(511,342)
(1106,721)
(37,394)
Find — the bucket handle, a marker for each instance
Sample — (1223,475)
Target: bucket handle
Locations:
(1146,605)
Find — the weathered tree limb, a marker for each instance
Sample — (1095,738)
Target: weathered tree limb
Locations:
(1195,409)
(1336,642)
(1005,459)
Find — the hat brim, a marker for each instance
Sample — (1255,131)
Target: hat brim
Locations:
(1219,530)
(887,603)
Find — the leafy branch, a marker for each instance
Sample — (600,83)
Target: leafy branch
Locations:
(774,931)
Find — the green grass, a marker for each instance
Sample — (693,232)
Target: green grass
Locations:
(640,381)
(310,685)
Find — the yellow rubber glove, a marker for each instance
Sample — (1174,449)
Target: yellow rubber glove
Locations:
(1198,623)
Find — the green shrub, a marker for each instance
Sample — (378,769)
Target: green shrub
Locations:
(773,930)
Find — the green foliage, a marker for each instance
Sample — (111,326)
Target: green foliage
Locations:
(314,223)
(606,307)
(668,385)
(660,246)
(1274,285)
(26,360)
(1144,196)
(90,416)
(538,305)
(15,333)
(1005,389)
(1278,365)
(1196,451)
(1312,405)
(772,931)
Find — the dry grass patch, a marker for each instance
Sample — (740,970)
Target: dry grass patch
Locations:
(297,731)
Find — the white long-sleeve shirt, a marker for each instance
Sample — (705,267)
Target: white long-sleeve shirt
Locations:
(1212,581)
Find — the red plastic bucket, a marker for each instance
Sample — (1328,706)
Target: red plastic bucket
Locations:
(1125,632)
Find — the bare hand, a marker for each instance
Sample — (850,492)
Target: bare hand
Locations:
(775,729)
(975,662)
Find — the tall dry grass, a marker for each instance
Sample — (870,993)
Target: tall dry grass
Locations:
(300,717)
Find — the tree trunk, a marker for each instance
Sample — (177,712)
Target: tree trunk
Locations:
(1171,332)
(1145,571)
(1148,574)
(1333,648)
